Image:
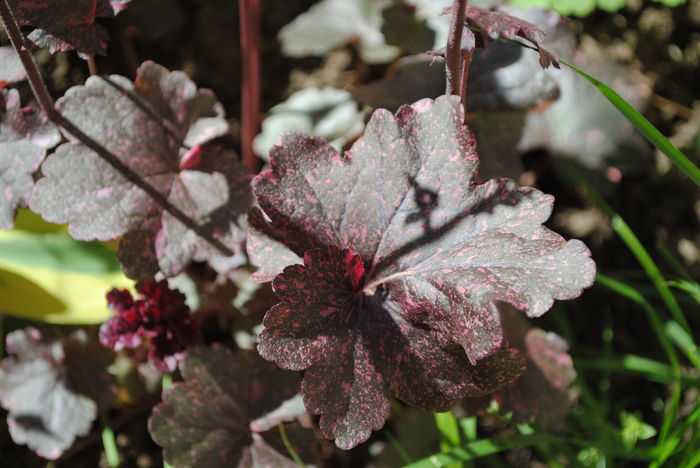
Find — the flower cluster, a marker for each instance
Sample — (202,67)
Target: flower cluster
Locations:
(160,318)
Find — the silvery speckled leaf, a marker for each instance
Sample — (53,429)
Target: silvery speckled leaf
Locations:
(52,388)
(329,113)
(205,182)
(11,68)
(333,23)
(25,135)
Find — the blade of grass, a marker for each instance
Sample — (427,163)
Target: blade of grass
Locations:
(485,447)
(632,294)
(165,383)
(398,446)
(448,427)
(109,442)
(639,122)
(631,364)
(643,126)
(674,261)
(632,242)
(468,428)
(288,445)
(689,287)
(684,342)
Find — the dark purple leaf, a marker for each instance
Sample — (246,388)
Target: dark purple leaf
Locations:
(52,388)
(65,24)
(98,202)
(25,134)
(543,392)
(488,25)
(501,77)
(405,256)
(12,69)
(495,24)
(207,420)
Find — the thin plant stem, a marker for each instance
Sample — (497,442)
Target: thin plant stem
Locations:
(135,179)
(288,445)
(42,95)
(92,66)
(249,14)
(33,75)
(453,52)
(109,442)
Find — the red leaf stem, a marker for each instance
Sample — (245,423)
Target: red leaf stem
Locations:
(249,13)
(453,53)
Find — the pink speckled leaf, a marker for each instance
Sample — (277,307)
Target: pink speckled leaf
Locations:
(67,24)
(207,420)
(544,391)
(411,302)
(52,388)
(357,351)
(25,135)
(488,25)
(204,182)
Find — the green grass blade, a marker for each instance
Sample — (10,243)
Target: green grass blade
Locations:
(643,126)
(632,294)
(398,447)
(288,445)
(674,261)
(485,447)
(684,342)
(448,426)
(109,443)
(691,288)
(633,243)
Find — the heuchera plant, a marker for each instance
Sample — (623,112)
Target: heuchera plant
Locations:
(391,262)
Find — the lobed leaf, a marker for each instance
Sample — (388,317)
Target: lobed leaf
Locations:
(405,257)
(25,135)
(543,392)
(67,24)
(333,23)
(212,419)
(483,26)
(12,69)
(52,388)
(153,126)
